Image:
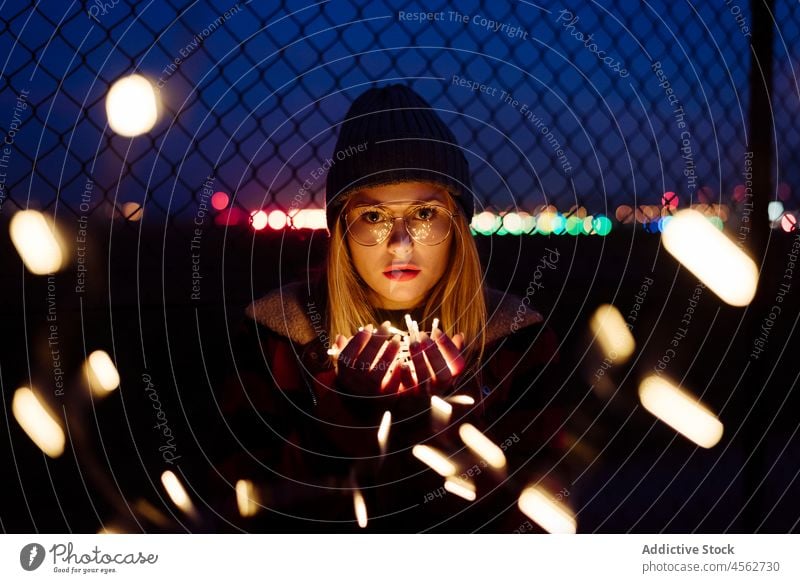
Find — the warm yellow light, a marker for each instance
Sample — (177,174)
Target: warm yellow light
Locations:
(461,400)
(103,375)
(132,211)
(131,106)
(435,459)
(553,516)
(176,492)
(613,335)
(383,430)
(681,411)
(482,446)
(37,422)
(441,409)
(36,242)
(460,487)
(360,508)
(711,257)
(246,498)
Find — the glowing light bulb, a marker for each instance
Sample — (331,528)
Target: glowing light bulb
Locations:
(681,411)
(541,507)
(360,507)
(36,242)
(460,487)
(131,106)
(434,459)
(613,336)
(383,430)
(37,422)
(103,375)
(711,257)
(482,446)
(246,498)
(177,493)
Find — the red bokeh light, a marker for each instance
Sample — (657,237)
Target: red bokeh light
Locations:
(670,199)
(220,200)
(788,222)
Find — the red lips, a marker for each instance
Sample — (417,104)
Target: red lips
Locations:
(404,272)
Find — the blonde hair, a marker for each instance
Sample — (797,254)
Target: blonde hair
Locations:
(458,299)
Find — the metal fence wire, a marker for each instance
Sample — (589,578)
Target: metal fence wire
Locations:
(597,104)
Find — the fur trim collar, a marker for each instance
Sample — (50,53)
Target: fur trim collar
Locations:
(291,312)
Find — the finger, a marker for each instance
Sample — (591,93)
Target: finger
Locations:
(373,347)
(420,364)
(354,346)
(406,378)
(441,370)
(389,355)
(451,351)
(391,382)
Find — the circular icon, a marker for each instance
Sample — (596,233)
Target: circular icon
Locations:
(31,556)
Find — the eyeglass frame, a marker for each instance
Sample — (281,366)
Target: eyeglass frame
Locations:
(436,204)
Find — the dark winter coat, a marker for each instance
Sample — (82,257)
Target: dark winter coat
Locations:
(290,427)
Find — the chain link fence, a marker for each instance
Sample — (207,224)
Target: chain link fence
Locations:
(577,104)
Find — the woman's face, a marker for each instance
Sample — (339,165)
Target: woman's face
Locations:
(399,271)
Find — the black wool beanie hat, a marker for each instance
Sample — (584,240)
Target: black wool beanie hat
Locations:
(391,135)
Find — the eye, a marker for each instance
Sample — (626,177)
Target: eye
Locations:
(426,213)
(372,216)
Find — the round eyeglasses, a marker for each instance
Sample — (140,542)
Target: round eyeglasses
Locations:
(427,224)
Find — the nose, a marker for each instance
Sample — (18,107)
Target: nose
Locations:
(399,241)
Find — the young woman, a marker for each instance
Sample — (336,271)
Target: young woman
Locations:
(322,361)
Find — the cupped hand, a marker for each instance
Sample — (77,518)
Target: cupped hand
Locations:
(360,371)
(437,362)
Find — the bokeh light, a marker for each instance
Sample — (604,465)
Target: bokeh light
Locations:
(669,200)
(132,211)
(602,225)
(277,220)
(36,242)
(680,410)
(220,200)
(788,222)
(38,422)
(131,106)
(774,210)
(711,257)
(259,220)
